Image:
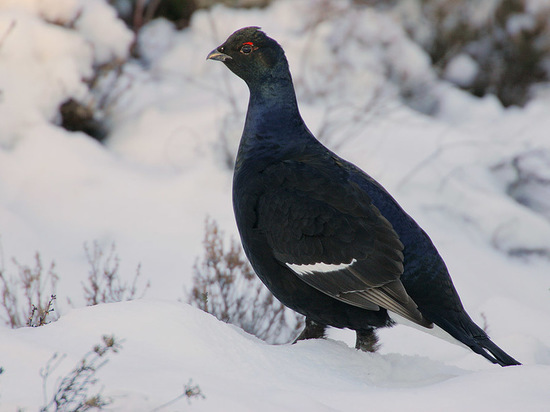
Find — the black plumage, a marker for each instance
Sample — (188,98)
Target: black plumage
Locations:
(325,238)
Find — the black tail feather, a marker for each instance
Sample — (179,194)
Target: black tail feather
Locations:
(496,355)
(460,326)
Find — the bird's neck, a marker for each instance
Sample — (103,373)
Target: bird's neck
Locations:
(272,109)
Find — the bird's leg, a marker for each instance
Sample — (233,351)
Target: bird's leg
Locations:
(367,340)
(313,330)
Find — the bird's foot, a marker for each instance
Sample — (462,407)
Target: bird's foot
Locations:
(313,330)
(367,341)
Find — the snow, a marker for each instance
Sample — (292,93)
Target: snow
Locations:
(175,121)
(519,23)
(461,70)
(97,23)
(237,372)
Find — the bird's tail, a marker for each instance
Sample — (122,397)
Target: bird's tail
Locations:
(479,342)
(492,352)
(463,328)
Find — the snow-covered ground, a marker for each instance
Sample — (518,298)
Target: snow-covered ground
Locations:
(166,344)
(474,175)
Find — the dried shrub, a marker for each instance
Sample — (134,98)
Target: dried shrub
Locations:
(225,285)
(104,283)
(72,392)
(27,299)
(39,317)
(190,392)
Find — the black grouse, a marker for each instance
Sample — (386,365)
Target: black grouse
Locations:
(327,239)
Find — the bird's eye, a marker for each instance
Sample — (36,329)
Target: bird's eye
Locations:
(246,48)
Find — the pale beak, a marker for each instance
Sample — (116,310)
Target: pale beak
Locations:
(216,55)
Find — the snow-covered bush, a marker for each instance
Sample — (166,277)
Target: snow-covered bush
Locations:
(354,58)
(51,52)
(499,47)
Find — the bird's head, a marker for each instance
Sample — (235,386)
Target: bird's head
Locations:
(252,55)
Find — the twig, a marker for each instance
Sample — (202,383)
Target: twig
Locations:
(7,32)
(190,391)
(72,391)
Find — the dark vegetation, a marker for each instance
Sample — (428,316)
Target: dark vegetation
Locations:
(510,43)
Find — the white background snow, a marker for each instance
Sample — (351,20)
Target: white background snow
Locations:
(163,169)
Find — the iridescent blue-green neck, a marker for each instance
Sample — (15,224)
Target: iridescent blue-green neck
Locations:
(272,107)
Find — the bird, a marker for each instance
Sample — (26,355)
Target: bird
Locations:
(327,239)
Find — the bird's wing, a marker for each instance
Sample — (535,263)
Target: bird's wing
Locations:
(327,231)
